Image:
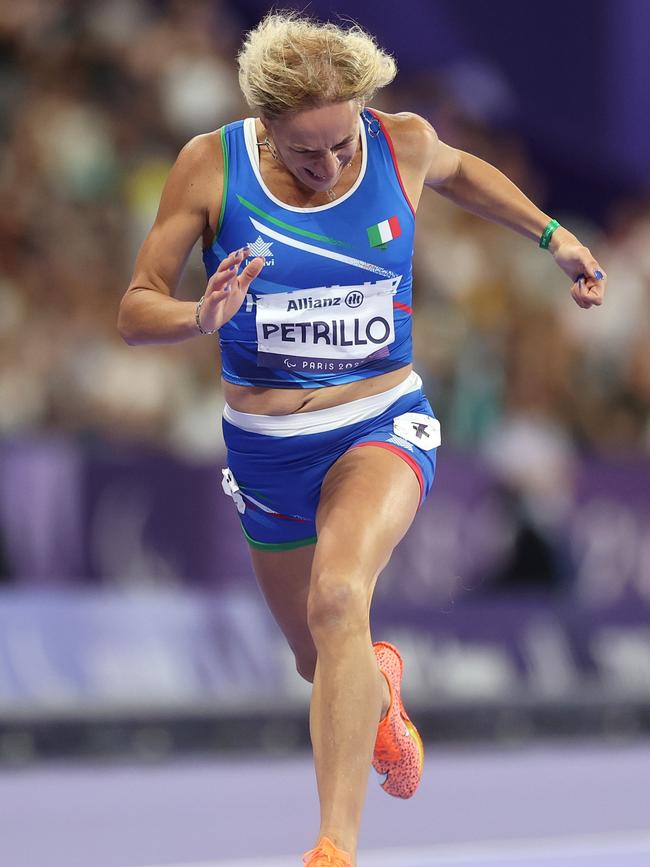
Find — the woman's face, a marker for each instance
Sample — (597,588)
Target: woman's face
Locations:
(318,143)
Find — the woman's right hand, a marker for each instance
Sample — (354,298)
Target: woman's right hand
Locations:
(227,288)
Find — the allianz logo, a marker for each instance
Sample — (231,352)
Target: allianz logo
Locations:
(353,299)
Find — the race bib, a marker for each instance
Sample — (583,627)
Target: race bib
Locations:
(331,328)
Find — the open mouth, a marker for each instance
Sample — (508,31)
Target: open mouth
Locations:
(320,179)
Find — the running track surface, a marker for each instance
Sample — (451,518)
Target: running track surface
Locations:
(580,805)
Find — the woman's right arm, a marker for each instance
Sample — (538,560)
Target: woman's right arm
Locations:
(191,198)
(149,313)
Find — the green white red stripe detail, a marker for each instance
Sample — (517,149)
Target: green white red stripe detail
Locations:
(382,233)
(319,251)
(262,508)
(271,219)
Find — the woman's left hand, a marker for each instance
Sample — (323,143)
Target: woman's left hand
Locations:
(589,279)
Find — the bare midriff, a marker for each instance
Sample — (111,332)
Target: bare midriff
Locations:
(286,401)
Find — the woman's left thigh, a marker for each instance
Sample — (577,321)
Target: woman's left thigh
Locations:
(368,501)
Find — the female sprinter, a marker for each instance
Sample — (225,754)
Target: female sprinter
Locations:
(306,212)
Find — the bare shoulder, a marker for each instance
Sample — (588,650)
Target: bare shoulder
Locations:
(417,145)
(198,170)
(414,139)
(190,199)
(202,150)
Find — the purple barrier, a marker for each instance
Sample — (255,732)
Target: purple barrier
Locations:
(131,518)
(80,651)
(170,615)
(107,652)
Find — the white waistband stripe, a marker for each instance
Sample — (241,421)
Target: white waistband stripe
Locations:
(320,420)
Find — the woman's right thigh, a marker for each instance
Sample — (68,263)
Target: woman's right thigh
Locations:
(284,578)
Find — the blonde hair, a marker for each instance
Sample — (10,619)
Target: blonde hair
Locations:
(290,62)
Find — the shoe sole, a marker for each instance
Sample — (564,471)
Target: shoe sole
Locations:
(397,692)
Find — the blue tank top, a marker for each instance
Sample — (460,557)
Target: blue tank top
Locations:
(333,301)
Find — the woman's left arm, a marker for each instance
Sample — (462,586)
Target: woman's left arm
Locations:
(481,188)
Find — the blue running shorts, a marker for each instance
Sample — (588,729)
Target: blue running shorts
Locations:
(276,464)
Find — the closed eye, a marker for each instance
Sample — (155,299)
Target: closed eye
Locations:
(336,147)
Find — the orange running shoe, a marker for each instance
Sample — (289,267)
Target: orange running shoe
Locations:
(327,855)
(399,753)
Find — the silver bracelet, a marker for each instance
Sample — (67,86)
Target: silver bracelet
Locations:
(197,316)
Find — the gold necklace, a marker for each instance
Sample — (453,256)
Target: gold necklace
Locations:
(331,195)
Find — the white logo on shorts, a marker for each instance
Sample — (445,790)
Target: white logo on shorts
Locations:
(420,429)
(231,488)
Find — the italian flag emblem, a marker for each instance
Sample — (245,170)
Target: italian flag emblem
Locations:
(381,233)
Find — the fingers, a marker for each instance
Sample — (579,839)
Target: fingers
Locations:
(595,271)
(226,272)
(589,287)
(586,296)
(235,258)
(225,277)
(221,280)
(577,293)
(249,273)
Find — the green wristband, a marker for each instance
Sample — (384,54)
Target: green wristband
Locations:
(545,240)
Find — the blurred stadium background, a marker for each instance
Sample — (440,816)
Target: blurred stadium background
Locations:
(130,623)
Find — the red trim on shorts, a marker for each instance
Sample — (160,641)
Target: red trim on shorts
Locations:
(405,456)
(403,307)
(392,153)
(256,508)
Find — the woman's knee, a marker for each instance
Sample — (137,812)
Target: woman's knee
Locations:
(338,602)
